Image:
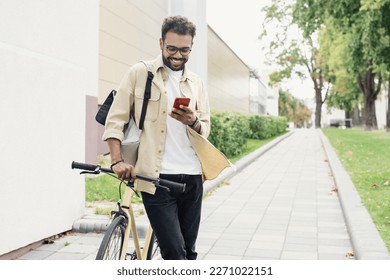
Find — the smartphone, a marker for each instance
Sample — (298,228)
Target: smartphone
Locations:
(181,101)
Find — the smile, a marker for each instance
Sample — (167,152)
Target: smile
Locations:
(176,59)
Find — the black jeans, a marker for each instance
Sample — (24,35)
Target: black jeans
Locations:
(175,217)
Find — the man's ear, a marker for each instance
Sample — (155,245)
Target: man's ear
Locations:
(161,44)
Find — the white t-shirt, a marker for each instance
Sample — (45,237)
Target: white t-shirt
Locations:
(179,156)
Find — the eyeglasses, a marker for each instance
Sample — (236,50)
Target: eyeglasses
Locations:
(173,50)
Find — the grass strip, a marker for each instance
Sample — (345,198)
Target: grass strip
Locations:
(366,157)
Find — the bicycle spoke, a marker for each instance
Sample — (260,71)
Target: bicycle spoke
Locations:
(113,250)
(111,246)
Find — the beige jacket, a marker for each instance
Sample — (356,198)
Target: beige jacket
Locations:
(152,142)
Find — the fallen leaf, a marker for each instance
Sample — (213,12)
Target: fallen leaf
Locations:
(333,191)
(48,241)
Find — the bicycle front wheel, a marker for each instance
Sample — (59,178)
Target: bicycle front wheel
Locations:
(111,246)
(154,249)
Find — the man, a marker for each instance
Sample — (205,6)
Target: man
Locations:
(165,150)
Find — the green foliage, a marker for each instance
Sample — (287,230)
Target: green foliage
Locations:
(264,127)
(293,109)
(345,91)
(230,131)
(309,15)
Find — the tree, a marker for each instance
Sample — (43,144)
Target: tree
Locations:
(366,26)
(294,56)
(293,109)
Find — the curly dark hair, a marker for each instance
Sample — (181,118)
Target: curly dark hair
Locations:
(178,24)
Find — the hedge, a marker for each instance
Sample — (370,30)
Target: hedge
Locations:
(264,127)
(230,131)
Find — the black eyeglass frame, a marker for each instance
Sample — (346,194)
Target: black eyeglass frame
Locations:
(172,50)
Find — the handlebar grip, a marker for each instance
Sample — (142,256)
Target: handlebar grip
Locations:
(83,166)
(89,167)
(179,187)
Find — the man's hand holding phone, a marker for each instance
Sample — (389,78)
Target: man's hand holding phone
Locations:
(182,112)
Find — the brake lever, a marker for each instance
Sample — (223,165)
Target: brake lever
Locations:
(131,186)
(95,172)
(163,187)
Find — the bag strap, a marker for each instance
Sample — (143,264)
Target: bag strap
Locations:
(147,94)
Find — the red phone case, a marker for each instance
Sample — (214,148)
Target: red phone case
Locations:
(181,101)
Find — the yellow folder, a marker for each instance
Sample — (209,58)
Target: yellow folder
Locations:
(213,161)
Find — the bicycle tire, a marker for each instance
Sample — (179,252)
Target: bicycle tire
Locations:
(111,246)
(154,249)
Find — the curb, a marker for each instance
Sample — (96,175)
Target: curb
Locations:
(99,223)
(91,223)
(366,240)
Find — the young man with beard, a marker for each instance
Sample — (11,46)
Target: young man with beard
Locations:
(165,150)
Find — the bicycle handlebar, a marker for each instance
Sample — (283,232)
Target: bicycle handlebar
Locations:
(156,181)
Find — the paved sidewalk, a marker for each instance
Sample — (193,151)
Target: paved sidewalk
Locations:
(281,205)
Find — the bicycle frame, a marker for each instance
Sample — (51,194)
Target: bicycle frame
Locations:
(131,227)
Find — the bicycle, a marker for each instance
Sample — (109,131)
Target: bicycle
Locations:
(115,243)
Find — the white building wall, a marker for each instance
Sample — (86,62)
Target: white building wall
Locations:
(48,64)
(258,96)
(228,83)
(195,11)
(129,32)
(273,101)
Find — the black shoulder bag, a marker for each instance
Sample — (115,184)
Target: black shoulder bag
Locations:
(132,133)
(102,113)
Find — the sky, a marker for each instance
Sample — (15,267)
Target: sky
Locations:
(239,24)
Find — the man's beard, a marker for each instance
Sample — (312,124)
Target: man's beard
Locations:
(174,67)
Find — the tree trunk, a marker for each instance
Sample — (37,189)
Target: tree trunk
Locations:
(388,107)
(369,113)
(318,108)
(318,84)
(367,86)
